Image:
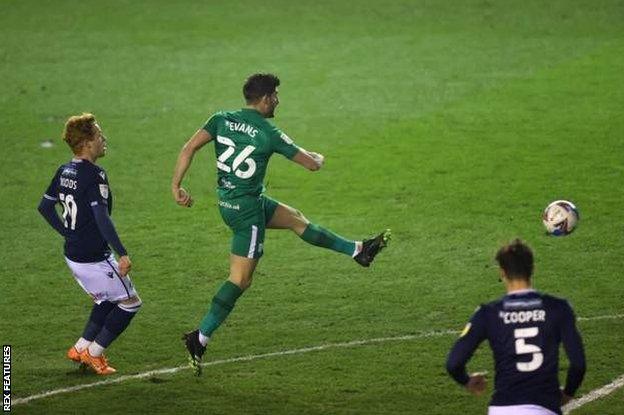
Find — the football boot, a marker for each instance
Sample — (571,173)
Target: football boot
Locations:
(196,350)
(371,247)
(99,364)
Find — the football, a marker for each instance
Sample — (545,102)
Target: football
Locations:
(560,218)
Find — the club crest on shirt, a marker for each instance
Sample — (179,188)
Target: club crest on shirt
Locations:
(104,190)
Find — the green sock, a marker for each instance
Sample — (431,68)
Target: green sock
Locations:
(222,303)
(319,236)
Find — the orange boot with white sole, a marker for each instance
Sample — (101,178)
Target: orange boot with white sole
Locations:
(99,364)
(74,355)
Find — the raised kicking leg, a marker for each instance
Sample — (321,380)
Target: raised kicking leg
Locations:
(223,302)
(364,252)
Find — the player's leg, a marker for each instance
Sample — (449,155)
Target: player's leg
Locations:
(281,216)
(116,322)
(118,304)
(247,243)
(99,311)
(224,301)
(286,217)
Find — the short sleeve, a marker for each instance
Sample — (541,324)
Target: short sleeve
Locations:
(51,192)
(97,189)
(212,124)
(283,144)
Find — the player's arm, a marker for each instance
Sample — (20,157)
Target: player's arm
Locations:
(108,231)
(474,333)
(196,142)
(285,146)
(97,197)
(47,208)
(573,346)
(308,159)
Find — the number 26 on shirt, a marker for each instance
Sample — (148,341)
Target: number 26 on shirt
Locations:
(240,159)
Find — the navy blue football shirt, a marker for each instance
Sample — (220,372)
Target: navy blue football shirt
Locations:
(524,329)
(78,186)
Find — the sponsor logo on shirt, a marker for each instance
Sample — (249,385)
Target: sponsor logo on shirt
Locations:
(226,184)
(228,205)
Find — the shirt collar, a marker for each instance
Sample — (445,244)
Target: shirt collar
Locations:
(523,291)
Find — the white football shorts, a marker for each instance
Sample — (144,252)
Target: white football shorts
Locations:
(519,410)
(102,280)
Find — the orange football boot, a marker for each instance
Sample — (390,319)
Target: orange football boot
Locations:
(74,355)
(99,364)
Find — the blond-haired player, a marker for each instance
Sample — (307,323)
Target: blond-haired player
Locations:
(81,187)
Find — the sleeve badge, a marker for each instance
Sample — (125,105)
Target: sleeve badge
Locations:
(104,190)
(466,329)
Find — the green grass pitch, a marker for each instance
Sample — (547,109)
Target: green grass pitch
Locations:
(453,123)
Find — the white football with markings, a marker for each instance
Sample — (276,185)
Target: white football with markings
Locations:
(560,218)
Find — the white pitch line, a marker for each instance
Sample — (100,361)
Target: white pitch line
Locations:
(607,317)
(593,395)
(354,343)
(234,360)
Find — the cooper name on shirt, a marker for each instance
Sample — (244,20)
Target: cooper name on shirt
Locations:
(513,317)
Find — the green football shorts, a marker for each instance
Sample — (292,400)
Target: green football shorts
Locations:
(247,217)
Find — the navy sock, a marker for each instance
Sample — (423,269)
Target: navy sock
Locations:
(116,322)
(96,319)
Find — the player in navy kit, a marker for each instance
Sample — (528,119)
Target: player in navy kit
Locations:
(81,188)
(524,329)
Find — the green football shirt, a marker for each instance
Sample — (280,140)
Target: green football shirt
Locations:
(244,142)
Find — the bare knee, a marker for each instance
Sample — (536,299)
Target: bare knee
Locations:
(243,282)
(287,217)
(241,270)
(299,222)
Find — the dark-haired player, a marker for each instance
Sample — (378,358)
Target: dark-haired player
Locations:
(524,329)
(81,188)
(244,142)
